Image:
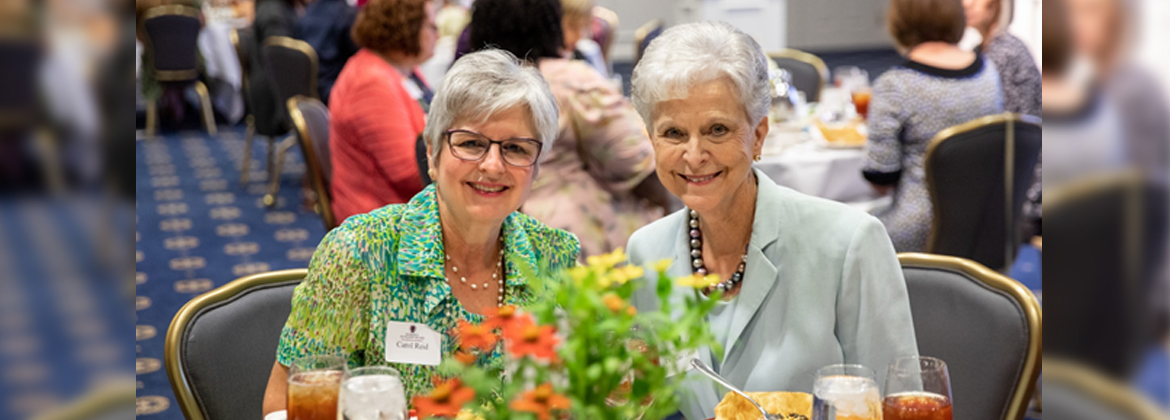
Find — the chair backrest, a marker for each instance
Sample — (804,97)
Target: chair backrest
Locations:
(985,326)
(291,66)
(1075,392)
(310,117)
(172,37)
(978,174)
(221,345)
(646,33)
(1111,236)
(243,40)
(18,77)
(809,72)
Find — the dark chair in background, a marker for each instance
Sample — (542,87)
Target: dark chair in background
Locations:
(646,33)
(242,40)
(221,345)
(310,118)
(985,326)
(809,72)
(1107,236)
(171,37)
(978,174)
(292,68)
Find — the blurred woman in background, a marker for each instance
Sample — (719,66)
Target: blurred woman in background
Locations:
(1018,76)
(597,182)
(940,85)
(378,107)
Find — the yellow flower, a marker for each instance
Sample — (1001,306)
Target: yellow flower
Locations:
(606,261)
(662,265)
(697,281)
(614,277)
(633,272)
(578,273)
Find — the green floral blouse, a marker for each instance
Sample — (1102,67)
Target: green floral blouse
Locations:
(387,265)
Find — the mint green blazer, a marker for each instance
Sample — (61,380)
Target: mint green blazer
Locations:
(822,286)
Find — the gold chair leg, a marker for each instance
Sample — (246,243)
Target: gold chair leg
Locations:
(151,119)
(278,164)
(208,112)
(246,163)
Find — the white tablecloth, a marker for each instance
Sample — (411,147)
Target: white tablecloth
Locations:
(795,160)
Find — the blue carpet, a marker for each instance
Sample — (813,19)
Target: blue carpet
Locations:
(198,229)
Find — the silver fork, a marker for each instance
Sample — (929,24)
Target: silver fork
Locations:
(706,370)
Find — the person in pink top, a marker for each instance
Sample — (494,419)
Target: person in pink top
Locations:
(378,108)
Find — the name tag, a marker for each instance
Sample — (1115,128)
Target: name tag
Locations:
(413,343)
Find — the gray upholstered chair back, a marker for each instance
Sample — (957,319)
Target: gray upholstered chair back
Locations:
(292,67)
(18,76)
(1075,392)
(646,34)
(221,345)
(311,119)
(809,72)
(985,326)
(978,174)
(172,36)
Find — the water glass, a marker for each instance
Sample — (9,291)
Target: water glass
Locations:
(373,393)
(313,382)
(846,392)
(917,388)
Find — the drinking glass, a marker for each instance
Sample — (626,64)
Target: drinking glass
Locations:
(861,98)
(846,392)
(313,383)
(917,388)
(372,393)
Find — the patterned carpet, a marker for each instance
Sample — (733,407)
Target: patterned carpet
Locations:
(198,229)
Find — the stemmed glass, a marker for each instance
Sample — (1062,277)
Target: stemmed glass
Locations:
(313,382)
(372,393)
(917,388)
(846,392)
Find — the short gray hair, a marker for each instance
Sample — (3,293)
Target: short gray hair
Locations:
(693,53)
(487,82)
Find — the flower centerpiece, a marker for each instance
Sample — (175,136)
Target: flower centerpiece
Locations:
(584,352)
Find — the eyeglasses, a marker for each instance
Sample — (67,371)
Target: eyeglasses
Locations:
(471,146)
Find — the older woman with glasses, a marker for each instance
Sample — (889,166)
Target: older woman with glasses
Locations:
(804,282)
(456,251)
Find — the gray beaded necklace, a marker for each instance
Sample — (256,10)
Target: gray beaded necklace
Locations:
(697,258)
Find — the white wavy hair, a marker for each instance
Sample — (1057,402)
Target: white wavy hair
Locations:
(487,82)
(694,53)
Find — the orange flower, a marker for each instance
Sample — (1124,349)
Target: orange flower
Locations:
(505,317)
(445,400)
(473,336)
(527,338)
(613,302)
(465,357)
(540,401)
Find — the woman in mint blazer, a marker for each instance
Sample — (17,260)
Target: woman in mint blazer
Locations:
(807,282)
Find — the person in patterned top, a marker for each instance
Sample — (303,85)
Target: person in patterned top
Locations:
(457,250)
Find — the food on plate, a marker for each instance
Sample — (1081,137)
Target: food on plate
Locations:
(846,133)
(789,405)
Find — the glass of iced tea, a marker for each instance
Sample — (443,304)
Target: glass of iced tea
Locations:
(861,101)
(313,383)
(917,388)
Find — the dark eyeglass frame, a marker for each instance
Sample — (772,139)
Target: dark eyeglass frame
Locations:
(491,141)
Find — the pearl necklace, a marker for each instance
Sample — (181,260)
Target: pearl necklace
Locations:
(697,258)
(497,275)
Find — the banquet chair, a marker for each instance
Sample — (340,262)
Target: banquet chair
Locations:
(985,326)
(171,36)
(646,33)
(221,345)
(19,105)
(978,174)
(1076,392)
(1111,236)
(809,72)
(242,39)
(310,119)
(292,67)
